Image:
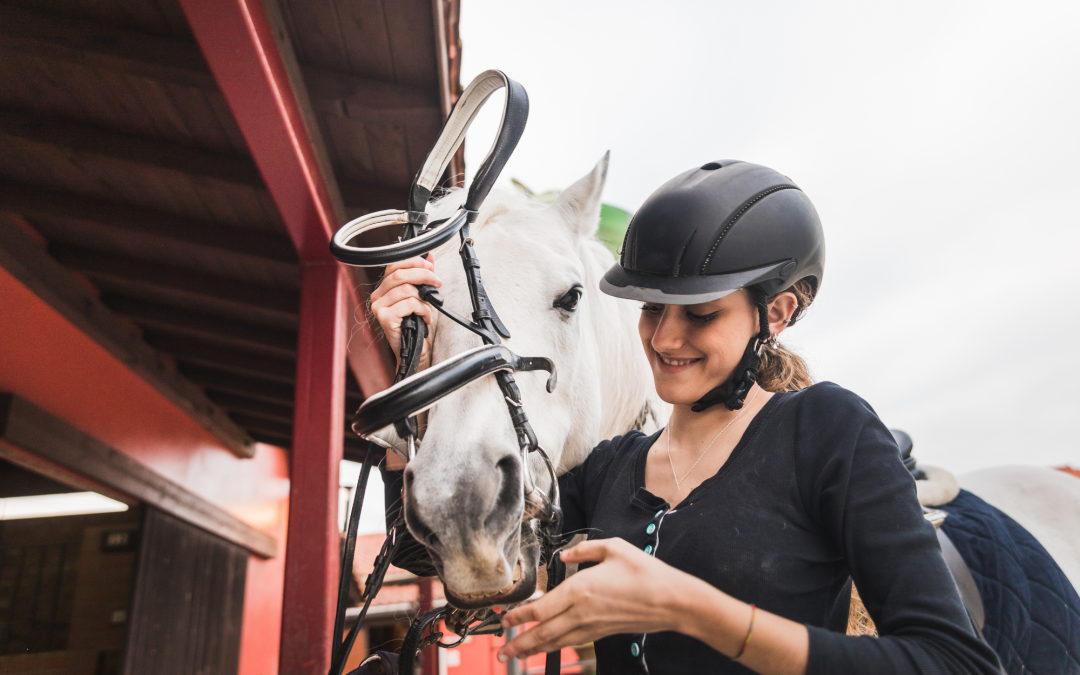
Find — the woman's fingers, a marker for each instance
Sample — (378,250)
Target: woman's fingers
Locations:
(578,636)
(390,317)
(597,550)
(394,296)
(405,275)
(547,635)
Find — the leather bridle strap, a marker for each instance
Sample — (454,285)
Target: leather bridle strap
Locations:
(514,115)
(411,392)
(430,236)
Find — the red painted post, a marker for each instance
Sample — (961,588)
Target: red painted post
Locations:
(313,549)
(429,658)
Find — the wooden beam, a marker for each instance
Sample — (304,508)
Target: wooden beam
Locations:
(242,404)
(242,385)
(27,429)
(447,17)
(81,139)
(264,426)
(362,99)
(103,267)
(153,56)
(255,388)
(34,203)
(223,358)
(35,269)
(284,442)
(371,197)
(166,59)
(175,321)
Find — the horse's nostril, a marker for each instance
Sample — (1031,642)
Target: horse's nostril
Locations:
(419,528)
(509,496)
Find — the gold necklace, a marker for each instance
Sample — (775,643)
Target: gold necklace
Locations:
(672,464)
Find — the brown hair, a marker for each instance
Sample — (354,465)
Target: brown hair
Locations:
(782,369)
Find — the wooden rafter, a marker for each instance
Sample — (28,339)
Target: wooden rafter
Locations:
(82,139)
(209,327)
(163,228)
(239,361)
(111,271)
(154,56)
(248,406)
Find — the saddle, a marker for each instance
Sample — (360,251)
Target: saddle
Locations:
(1019,601)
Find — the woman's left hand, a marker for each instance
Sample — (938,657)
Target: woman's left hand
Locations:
(629,591)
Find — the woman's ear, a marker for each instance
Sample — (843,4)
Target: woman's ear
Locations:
(579,204)
(781,310)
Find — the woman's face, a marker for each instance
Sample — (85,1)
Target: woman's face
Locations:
(693,348)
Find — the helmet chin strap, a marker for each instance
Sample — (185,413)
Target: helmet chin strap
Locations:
(732,393)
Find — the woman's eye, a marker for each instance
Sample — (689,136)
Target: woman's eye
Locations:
(569,300)
(702,318)
(652,309)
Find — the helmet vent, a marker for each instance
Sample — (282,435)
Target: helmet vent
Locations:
(712,166)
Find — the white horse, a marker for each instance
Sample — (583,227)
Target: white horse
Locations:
(1044,502)
(463,502)
(463,495)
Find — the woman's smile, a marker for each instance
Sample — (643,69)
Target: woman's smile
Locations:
(671,364)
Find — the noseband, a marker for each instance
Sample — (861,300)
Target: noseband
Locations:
(413,392)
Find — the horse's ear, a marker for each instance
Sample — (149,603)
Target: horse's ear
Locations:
(579,204)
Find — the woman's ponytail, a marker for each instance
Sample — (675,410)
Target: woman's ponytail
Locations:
(782,369)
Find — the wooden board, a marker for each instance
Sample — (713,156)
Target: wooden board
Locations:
(27,429)
(188,604)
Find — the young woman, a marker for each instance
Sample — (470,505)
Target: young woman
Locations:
(726,541)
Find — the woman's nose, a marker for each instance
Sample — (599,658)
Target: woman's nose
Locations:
(668,335)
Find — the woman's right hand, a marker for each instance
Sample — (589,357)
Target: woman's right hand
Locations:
(397,297)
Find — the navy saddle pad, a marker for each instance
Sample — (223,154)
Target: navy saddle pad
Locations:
(1032,611)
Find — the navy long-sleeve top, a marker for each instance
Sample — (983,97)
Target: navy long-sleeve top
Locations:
(813,493)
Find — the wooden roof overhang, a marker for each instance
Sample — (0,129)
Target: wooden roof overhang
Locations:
(132,202)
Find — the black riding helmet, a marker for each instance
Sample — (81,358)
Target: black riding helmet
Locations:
(711,231)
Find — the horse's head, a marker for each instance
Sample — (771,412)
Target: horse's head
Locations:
(464,499)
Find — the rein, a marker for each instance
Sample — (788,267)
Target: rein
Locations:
(413,392)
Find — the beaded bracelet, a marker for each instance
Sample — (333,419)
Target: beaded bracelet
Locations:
(753,615)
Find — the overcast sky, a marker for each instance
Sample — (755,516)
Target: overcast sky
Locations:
(938,140)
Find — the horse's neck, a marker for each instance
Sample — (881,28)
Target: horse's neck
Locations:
(628,398)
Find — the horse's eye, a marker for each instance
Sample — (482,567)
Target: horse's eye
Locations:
(570,299)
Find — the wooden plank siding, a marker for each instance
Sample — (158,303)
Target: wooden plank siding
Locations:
(187,608)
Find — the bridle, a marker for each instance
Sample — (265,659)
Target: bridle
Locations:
(413,392)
